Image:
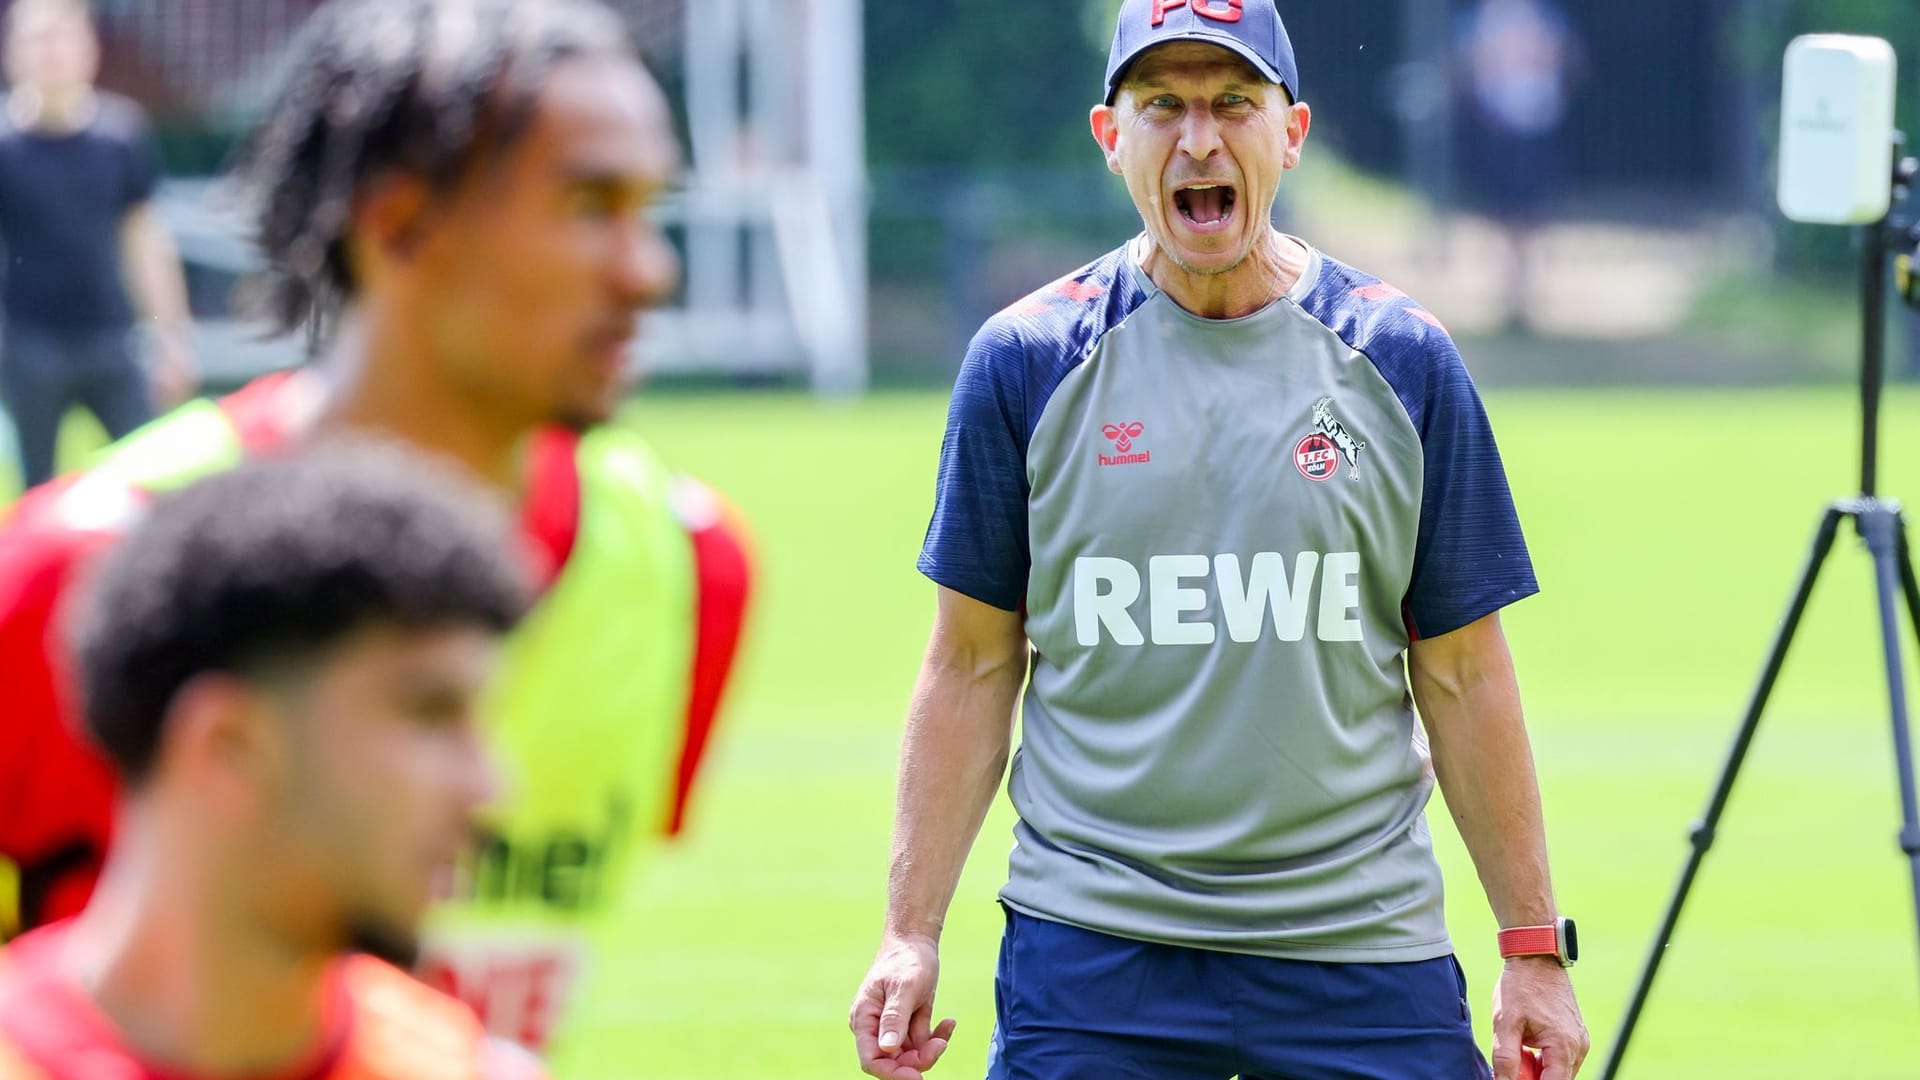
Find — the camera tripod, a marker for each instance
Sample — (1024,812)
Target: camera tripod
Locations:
(1880,523)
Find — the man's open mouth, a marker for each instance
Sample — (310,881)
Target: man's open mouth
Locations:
(1205,204)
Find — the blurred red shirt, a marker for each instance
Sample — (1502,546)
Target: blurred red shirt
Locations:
(378,1024)
(57,791)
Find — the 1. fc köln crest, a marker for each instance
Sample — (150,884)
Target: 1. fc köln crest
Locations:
(1318,455)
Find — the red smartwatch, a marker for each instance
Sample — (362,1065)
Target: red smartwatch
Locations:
(1557,939)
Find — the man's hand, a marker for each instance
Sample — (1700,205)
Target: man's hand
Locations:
(892,1013)
(175,376)
(158,286)
(1533,1006)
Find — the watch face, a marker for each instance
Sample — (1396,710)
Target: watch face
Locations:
(1569,941)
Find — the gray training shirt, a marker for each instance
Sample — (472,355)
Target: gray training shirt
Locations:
(1223,535)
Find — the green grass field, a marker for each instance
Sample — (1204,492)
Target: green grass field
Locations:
(1667,527)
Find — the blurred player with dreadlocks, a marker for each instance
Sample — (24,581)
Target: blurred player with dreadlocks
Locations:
(454,200)
(283,663)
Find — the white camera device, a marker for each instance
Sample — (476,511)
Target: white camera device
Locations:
(1836,130)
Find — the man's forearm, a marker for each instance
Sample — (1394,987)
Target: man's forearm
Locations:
(959,733)
(159,284)
(1484,762)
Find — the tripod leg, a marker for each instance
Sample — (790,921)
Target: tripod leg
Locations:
(1701,835)
(1908,583)
(1883,530)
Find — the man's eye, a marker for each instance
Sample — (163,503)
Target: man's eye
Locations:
(1234,99)
(595,204)
(1164,101)
(433,708)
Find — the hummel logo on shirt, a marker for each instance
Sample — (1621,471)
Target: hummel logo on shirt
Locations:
(1122,436)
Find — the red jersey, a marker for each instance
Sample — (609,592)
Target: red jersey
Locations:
(56,791)
(379,1024)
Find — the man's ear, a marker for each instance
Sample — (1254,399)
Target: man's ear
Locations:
(220,739)
(389,219)
(1299,121)
(1105,121)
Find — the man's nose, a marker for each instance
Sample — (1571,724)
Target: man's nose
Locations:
(1199,134)
(482,780)
(646,269)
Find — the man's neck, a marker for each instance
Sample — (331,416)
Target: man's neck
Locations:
(190,983)
(52,109)
(375,383)
(1269,270)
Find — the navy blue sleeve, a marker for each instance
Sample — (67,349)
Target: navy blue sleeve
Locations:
(977,541)
(1471,559)
(143,168)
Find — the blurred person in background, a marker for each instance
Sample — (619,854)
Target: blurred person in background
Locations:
(455,202)
(1518,61)
(284,663)
(1228,509)
(77,178)
(1912,324)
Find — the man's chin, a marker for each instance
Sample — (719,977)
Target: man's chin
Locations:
(1205,259)
(399,946)
(584,406)
(582,420)
(1208,264)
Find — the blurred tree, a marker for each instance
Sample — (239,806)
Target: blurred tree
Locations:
(982,82)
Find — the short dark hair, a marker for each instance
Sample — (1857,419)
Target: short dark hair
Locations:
(261,569)
(426,87)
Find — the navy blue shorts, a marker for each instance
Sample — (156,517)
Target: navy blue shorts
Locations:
(1072,1004)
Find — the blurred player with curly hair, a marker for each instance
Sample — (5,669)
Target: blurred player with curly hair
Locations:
(454,200)
(284,663)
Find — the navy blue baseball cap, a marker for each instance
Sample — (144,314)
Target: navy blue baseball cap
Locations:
(1251,28)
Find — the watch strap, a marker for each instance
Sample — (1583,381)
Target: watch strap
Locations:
(1530,941)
